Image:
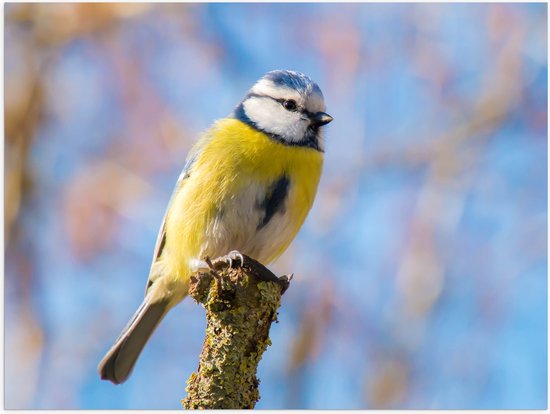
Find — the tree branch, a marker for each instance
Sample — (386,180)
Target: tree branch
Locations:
(241,303)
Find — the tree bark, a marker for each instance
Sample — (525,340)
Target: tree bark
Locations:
(241,303)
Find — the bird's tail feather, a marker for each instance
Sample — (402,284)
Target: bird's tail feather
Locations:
(118,363)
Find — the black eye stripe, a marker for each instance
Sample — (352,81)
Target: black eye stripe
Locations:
(259,95)
(281,101)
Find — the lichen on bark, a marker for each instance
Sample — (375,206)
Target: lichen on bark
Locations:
(241,303)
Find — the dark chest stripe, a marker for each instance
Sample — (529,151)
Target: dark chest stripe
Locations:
(274,200)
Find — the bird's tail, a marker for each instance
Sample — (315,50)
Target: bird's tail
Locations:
(116,366)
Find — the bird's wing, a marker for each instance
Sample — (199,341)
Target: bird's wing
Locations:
(161,238)
(185,174)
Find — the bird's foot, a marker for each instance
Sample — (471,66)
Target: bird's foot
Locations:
(205,266)
(227,261)
(200,265)
(233,255)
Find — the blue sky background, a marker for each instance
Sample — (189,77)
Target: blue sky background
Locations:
(421,271)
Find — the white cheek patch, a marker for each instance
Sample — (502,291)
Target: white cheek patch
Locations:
(270,116)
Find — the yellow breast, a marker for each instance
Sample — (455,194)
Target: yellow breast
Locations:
(233,159)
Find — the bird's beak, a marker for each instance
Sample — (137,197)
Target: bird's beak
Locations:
(320,119)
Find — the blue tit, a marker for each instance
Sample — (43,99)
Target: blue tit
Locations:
(247,186)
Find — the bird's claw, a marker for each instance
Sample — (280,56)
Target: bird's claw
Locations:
(233,255)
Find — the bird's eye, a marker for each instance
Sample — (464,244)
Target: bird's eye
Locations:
(289,104)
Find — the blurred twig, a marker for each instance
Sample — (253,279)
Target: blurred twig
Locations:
(451,161)
(308,340)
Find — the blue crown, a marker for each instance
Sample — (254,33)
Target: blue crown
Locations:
(295,80)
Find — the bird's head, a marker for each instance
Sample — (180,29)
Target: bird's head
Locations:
(288,106)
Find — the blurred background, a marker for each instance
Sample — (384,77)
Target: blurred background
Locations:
(421,271)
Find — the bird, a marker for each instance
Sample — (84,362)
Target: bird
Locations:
(246,187)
